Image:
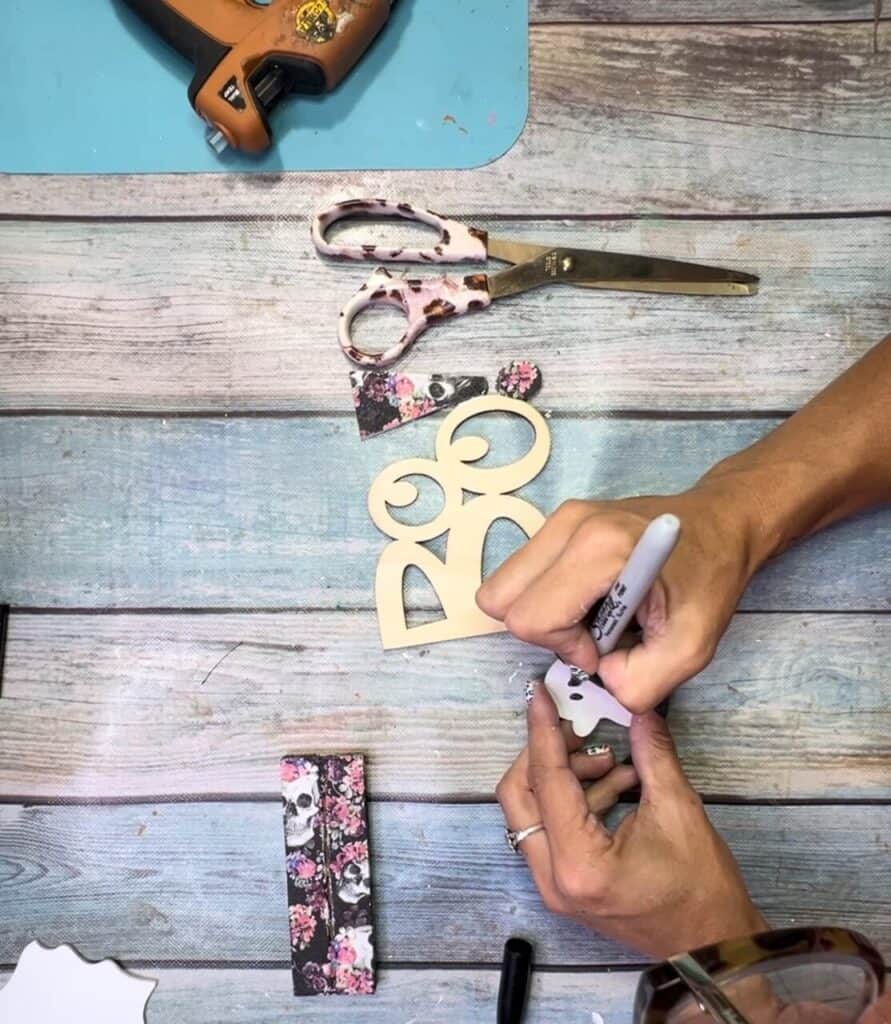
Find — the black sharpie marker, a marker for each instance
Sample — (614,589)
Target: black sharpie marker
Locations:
(580,698)
(635,581)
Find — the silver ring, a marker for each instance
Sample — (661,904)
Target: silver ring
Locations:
(515,838)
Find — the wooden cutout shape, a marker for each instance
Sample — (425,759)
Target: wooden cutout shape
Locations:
(456,579)
(56,985)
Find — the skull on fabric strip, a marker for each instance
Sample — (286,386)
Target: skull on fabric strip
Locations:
(301,797)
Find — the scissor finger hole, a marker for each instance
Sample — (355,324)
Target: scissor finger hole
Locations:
(386,233)
(376,328)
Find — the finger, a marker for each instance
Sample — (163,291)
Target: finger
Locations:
(571,830)
(672,650)
(587,764)
(603,795)
(502,588)
(520,809)
(590,765)
(655,758)
(573,742)
(553,610)
(517,800)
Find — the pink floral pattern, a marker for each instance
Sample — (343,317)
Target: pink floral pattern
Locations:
(343,815)
(303,926)
(329,895)
(521,380)
(403,385)
(354,778)
(353,982)
(384,401)
(301,866)
(352,853)
(292,769)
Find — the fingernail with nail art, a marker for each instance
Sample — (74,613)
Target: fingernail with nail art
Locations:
(598,750)
(529,690)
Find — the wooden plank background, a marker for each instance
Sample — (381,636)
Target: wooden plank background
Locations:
(200,705)
(230,995)
(190,604)
(203,881)
(156,317)
(701,10)
(186,512)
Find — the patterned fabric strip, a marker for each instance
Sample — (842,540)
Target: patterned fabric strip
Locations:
(329,879)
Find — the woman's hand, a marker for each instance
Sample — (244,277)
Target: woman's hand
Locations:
(544,592)
(664,882)
(830,460)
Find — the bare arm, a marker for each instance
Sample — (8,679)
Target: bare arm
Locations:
(830,460)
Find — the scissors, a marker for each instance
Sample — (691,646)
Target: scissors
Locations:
(428,300)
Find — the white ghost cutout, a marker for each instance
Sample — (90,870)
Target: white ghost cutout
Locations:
(582,702)
(57,986)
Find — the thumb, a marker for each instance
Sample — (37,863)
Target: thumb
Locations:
(673,650)
(561,799)
(655,757)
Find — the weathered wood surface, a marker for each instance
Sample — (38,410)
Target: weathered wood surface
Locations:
(184,311)
(158,316)
(205,881)
(404,996)
(634,119)
(147,706)
(674,11)
(232,513)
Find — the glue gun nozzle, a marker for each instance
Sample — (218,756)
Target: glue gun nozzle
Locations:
(217,140)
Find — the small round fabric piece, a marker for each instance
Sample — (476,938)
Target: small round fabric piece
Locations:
(520,380)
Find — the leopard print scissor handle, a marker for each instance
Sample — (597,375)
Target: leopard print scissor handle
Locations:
(423,300)
(457,242)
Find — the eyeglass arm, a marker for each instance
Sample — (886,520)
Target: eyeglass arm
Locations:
(709,996)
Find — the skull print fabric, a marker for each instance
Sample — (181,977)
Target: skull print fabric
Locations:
(329,877)
(385,401)
(301,796)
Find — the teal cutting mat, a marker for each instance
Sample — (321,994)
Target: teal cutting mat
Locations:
(85,88)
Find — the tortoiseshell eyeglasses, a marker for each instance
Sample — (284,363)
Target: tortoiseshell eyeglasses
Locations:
(791,976)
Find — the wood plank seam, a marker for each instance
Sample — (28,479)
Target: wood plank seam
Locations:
(494,216)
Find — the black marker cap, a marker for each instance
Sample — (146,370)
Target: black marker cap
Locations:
(516,970)
(4,625)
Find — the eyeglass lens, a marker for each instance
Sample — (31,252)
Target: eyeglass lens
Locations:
(802,993)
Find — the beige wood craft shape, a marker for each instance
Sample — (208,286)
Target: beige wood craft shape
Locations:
(457,579)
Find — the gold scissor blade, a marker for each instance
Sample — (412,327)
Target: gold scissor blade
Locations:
(515,252)
(675,287)
(587,268)
(624,272)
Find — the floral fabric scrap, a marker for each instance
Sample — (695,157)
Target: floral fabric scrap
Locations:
(329,878)
(521,380)
(384,401)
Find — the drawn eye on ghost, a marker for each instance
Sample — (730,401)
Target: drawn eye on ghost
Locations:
(355,883)
(581,701)
(301,806)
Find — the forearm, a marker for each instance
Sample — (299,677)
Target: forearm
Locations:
(828,461)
